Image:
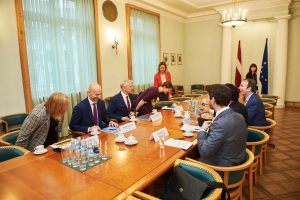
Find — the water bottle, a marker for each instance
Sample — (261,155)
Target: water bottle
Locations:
(77,159)
(96,152)
(83,155)
(90,153)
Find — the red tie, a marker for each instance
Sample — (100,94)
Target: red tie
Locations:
(95,115)
(128,104)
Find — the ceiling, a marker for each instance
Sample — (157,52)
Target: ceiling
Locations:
(191,9)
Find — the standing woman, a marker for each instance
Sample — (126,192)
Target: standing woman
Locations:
(161,77)
(43,124)
(252,73)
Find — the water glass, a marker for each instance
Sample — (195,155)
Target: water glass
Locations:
(65,154)
(161,140)
(104,154)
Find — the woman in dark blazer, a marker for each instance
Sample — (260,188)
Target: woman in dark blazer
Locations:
(252,74)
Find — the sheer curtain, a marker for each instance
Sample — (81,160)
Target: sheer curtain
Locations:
(144,29)
(60,40)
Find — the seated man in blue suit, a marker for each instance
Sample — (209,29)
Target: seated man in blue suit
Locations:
(223,143)
(254,105)
(121,106)
(90,113)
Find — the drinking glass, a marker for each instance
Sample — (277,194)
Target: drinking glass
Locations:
(65,154)
(161,140)
(104,155)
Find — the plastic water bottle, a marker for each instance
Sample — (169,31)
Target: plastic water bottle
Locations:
(83,155)
(77,159)
(96,152)
(90,153)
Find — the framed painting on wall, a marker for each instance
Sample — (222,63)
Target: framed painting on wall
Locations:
(173,60)
(179,59)
(166,58)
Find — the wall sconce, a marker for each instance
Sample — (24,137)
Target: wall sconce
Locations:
(115,45)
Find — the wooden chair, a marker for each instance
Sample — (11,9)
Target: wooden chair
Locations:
(255,140)
(233,177)
(268,129)
(266,96)
(9,152)
(106,101)
(193,95)
(269,107)
(12,122)
(9,138)
(178,90)
(268,114)
(180,99)
(270,101)
(199,171)
(197,87)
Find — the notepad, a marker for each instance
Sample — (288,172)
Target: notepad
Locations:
(187,127)
(178,143)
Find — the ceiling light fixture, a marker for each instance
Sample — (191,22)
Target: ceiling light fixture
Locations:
(234,17)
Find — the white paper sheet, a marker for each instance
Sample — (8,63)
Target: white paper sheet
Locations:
(187,127)
(178,143)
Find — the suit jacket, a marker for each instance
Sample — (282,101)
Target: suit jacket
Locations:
(256,111)
(240,108)
(117,107)
(157,79)
(35,128)
(82,116)
(225,142)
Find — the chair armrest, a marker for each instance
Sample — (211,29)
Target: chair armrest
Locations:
(144,196)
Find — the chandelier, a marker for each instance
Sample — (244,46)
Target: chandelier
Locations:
(234,17)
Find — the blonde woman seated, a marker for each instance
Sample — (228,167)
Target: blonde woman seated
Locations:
(43,124)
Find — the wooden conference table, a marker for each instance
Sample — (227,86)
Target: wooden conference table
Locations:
(131,168)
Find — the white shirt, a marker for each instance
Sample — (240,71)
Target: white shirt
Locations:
(125,98)
(163,78)
(92,105)
(247,98)
(221,110)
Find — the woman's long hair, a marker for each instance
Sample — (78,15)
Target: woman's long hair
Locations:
(57,105)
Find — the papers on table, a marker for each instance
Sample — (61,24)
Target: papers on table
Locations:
(111,129)
(187,127)
(127,127)
(156,117)
(156,134)
(178,143)
(178,109)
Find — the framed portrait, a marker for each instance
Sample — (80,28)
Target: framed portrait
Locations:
(179,59)
(173,59)
(166,58)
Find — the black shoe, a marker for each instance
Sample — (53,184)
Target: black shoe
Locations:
(271,145)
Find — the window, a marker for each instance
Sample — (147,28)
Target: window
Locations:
(144,47)
(60,46)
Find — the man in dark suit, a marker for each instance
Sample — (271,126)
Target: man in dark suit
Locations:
(223,143)
(121,106)
(90,114)
(235,104)
(254,105)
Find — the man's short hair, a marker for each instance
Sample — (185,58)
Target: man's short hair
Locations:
(167,85)
(251,84)
(220,93)
(125,83)
(234,92)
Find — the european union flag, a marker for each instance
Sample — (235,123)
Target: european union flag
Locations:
(264,71)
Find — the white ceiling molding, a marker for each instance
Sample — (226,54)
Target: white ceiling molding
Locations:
(257,9)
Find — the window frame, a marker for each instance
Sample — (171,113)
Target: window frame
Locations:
(24,57)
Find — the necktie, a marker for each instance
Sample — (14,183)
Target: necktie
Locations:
(128,104)
(95,115)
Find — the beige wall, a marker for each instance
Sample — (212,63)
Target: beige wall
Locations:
(203,46)
(11,88)
(172,41)
(293,71)
(253,37)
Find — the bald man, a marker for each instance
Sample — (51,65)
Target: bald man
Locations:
(90,113)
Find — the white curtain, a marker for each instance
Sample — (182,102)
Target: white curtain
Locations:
(61,47)
(144,29)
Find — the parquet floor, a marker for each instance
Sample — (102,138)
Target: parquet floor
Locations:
(281,175)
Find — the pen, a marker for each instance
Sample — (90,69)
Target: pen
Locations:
(180,138)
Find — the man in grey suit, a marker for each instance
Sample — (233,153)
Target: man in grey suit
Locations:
(223,143)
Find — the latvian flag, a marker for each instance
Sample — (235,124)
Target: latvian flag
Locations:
(238,71)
